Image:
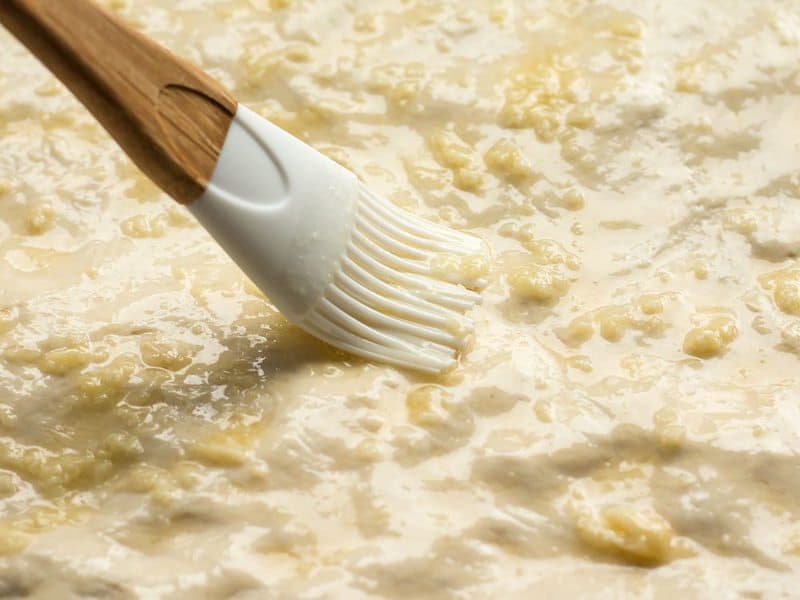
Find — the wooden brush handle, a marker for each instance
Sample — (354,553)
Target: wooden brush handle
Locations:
(167,115)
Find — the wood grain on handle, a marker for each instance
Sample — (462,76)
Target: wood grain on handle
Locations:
(167,115)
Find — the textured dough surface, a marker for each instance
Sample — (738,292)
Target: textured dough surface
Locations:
(627,421)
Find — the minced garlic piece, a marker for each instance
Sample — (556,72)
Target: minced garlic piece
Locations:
(40,218)
(637,536)
(451,152)
(166,354)
(712,338)
(543,283)
(469,268)
(144,226)
(427,405)
(785,287)
(507,160)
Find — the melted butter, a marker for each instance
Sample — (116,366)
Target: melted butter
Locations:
(630,396)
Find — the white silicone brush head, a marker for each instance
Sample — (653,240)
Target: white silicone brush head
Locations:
(348,267)
(387,299)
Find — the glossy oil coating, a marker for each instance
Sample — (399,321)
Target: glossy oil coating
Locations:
(627,421)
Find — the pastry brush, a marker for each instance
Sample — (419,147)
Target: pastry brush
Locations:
(345,265)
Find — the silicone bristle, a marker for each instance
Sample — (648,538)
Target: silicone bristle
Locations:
(387,302)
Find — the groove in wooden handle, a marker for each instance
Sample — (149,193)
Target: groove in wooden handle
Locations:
(168,116)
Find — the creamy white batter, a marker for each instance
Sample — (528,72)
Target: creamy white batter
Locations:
(627,421)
